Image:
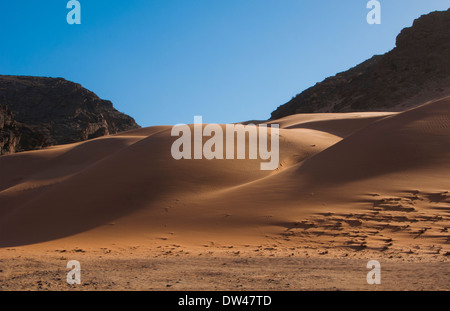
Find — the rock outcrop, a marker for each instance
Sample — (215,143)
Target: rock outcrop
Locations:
(37,112)
(416,70)
(10,132)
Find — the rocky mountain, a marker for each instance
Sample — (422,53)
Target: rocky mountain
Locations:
(37,112)
(416,70)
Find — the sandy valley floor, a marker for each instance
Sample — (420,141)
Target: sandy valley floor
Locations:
(206,270)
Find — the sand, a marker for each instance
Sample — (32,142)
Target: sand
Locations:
(349,188)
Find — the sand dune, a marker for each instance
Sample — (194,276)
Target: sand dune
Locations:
(339,124)
(345,182)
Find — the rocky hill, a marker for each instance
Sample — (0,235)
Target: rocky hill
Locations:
(416,70)
(37,112)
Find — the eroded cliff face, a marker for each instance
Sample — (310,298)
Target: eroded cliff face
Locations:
(416,70)
(40,112)
(9,132)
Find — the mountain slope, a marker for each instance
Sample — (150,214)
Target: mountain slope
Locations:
(416,70)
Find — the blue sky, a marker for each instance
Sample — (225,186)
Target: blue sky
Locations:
(164,61)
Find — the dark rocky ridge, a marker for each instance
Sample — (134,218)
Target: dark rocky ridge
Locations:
(37,112)
(10,131)
(416,70)
(16,137)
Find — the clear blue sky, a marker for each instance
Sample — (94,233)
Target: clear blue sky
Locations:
(164,61)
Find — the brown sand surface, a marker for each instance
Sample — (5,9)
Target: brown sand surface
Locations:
(349,188)
(138,268)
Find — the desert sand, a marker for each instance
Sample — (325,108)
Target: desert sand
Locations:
(350,187)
